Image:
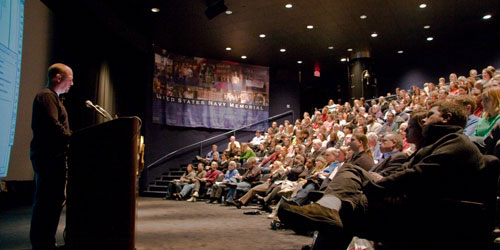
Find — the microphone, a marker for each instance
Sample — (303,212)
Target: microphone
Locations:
(90,105)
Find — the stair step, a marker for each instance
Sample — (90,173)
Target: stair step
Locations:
(157,188)
(171,173)
(154,193)
(173,169)
(161,183)
(169,178)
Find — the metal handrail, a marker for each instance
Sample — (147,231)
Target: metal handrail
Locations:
(165,157)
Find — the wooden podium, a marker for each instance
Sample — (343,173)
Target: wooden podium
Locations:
(101,190)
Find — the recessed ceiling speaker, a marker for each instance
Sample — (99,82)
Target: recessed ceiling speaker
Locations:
(214,8)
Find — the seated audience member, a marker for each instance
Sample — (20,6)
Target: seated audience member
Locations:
(491,105)
(246,152)
(390,125)
(476,93)
(275,128)
(376,113)
(291,176)
(208,179)
(491,144)
(362,155)
(329,122)
(469,104)
(324,113)
(250,177)
(413,132)
(269,135)
(261,151)
(360,130)
(336,129)
(224,162)
(373,145)
(313,181)
(400,114)
(257,139)
(294,179)
(199,175)
(281,133)
(340,156)
(187,178)
(290,131)
(390,144)
(210,155)
(487,75)
(316,149)
(445,162)
(292,172)
(332,139)
(402,133)
(345,140)
(331,106)
(233,147)
(442,94)
(277,173)
(231,177)
(278,154)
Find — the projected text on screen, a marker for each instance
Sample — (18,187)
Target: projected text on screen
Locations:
(11,40)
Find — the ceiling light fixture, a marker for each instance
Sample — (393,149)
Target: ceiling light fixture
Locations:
(430,38)
(299,62)
(486,17)
(282,50)
(243,57)
(374,34)
(288,5)
(422,6)
(262,35)
(228,48)
(330,47)
(310,27)
(228,12)
(427,27)
(349,49)
(363,17)
(400,52)
(155,10)
(343,59)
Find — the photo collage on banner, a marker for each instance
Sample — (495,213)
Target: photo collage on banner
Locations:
(200,92)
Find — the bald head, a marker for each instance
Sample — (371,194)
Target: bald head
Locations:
(60,78)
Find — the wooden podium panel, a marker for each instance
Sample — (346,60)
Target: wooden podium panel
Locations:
(101,190)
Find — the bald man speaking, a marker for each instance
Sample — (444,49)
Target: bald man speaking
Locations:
(48,155)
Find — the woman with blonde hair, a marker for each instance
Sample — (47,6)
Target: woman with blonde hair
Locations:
(491,105)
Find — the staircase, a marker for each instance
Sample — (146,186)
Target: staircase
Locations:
(159,187)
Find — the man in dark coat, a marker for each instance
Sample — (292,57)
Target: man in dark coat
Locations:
(441,169)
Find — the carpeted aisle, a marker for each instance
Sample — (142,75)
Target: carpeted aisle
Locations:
(173,225)
(185,225)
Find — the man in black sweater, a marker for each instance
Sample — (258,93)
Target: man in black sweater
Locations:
(48,155)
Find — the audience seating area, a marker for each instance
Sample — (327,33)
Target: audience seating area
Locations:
(295,161)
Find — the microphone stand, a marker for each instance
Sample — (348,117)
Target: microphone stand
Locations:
(106,114)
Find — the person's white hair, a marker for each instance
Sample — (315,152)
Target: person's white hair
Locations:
(316,141)
(372,136)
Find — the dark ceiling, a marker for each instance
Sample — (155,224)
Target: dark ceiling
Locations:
(182,27)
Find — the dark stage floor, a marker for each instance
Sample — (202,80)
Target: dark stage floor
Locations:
(175,225)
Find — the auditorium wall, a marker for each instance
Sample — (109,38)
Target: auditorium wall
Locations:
(161,140)
(410,68)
